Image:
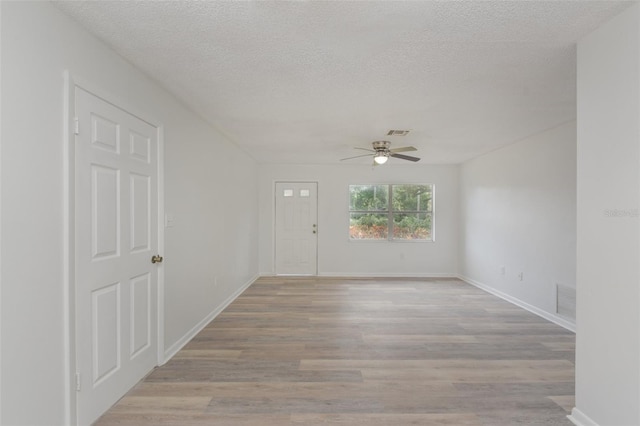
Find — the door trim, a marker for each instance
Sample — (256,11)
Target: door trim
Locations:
(275,218)
(71,82)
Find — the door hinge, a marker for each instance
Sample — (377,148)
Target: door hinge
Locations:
(76,126)
(78,382)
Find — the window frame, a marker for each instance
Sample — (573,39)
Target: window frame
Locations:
(390,212)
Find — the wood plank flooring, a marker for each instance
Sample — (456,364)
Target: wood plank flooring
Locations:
(320,351)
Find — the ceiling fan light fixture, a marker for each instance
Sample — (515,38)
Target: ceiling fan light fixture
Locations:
(382,151)
(380,158)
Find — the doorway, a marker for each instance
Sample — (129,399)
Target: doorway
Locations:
(117,238)
(296,228)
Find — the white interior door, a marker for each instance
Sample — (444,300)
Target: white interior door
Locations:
(116,198)
(296,237)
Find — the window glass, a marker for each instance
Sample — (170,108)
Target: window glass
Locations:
(412,226)
(369,226)
(369,197)
(391,212)
(412,198)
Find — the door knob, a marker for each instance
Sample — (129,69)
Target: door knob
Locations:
(156,259)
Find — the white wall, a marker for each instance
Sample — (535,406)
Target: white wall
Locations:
(211,251)
(518,210)
(337,256)
(210,190)
(0,217)
(608,317)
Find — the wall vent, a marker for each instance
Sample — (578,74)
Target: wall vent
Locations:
(566,301)
(397,132)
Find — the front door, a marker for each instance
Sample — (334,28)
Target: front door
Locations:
(296,228)
(116,199)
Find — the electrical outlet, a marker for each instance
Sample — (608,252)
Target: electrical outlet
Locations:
(521,276)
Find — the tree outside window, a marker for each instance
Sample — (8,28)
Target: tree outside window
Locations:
(391,212)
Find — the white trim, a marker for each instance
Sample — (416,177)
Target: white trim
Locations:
(68,251)
(69,288)
(175,348)
(388,275)
(578,418)
(562,322)
(160,360)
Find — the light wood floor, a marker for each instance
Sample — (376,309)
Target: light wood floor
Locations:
(313,351)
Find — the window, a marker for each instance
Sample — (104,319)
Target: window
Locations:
(391,212)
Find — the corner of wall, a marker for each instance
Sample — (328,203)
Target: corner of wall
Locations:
(608,231)
(578,418)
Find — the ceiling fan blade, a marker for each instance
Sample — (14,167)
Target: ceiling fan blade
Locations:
(364,149)
(403,149)
(357,156)
(404,157)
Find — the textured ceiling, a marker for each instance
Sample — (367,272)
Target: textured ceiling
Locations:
(305,82)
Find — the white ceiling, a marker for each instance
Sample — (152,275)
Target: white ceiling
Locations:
(305,82)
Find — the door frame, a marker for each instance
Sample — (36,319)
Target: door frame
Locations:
(275,219)
(71,82)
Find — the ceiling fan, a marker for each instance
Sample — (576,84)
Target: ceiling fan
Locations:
(381,152)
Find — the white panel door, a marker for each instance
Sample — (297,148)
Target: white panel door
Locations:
(116,196)
(296,237)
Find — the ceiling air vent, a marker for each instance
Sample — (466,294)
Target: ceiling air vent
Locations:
(397,132)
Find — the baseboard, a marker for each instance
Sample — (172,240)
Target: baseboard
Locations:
(173,349)
(370,275)
(562,322)
(578,418)
(387,275)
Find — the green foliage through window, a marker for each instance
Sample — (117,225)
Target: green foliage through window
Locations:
(391,212)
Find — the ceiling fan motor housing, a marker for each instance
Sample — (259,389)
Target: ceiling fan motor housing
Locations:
(381,146)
